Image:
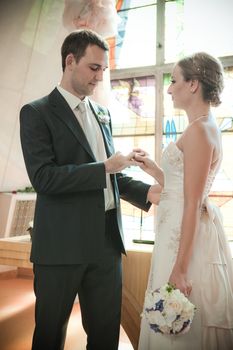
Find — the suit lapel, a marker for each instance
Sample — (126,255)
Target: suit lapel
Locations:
(105,129)
(62,110)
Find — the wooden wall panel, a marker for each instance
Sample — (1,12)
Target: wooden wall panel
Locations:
(136,266)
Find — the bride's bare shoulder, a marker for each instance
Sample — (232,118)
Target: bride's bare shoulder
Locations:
(197,137)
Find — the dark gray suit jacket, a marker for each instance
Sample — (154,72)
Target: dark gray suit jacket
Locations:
(69,222)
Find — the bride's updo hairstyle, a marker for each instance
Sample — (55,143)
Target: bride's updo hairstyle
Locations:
(208,71)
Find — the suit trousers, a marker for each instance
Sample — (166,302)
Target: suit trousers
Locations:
(99,288)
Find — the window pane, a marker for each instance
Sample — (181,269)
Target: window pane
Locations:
(133,113)
(198,25)
(174,35)
(223,186)
(222,192)
(133,106)
(136,40)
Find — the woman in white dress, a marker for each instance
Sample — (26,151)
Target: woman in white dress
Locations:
(191,250)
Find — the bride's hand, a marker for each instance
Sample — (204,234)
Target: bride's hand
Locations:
(145,163)
(148,165)
(179,281)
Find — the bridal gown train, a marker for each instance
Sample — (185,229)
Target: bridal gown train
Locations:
(210,270)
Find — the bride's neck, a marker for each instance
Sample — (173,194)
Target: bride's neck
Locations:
(198,111)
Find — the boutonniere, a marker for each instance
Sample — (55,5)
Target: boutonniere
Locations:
(103,117)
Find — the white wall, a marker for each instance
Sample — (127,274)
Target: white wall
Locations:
(31,34)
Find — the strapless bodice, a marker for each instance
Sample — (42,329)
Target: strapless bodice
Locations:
(173,167)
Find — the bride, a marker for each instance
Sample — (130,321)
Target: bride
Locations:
(191,250)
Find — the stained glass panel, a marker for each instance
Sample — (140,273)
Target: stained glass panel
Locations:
(133,106)
(133,117)
(174,121)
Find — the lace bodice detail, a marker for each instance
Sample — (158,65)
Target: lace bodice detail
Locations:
(173,166)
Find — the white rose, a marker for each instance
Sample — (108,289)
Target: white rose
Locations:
(178,295)
(169,315)
(188,307)
(173,304)
(155,317)
(177,326)
(150,299)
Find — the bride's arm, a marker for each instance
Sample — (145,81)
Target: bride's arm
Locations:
(149,166)
(153,195)
(198,152)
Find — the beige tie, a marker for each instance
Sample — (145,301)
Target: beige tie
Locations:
(87,127)
(96,142)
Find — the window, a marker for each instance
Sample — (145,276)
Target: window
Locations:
(133,114)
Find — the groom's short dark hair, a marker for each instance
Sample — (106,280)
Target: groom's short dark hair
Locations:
(77,42)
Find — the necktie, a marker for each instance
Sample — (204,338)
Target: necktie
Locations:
(87,126)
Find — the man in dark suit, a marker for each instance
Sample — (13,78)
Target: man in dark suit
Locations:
(77,235)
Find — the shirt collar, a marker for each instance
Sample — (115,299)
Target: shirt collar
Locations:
(72,100)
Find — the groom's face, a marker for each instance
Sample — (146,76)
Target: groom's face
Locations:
(85,74)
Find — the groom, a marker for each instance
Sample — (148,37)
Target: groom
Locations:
(77,235)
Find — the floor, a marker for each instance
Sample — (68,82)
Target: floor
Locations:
(17,318)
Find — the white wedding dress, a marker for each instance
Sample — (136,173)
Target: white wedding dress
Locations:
(210,270)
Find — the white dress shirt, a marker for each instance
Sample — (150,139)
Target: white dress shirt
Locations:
(93,134)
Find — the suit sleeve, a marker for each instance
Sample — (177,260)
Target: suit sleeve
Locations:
(45,174)
(133,191)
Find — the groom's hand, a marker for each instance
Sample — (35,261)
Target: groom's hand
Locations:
(118,162)
(140,152)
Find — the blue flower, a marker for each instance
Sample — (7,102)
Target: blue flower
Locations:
(159,305)
(155,328)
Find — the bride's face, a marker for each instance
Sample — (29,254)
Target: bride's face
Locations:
(179,89)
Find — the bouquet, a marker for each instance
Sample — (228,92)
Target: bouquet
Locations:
(168,311)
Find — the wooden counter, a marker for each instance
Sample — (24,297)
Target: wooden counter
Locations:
(15,251)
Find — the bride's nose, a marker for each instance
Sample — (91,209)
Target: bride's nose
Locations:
(169,90)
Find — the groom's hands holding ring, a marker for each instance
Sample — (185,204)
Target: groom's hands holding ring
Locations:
(118,162)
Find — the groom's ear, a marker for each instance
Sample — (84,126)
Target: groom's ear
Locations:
(70,61)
